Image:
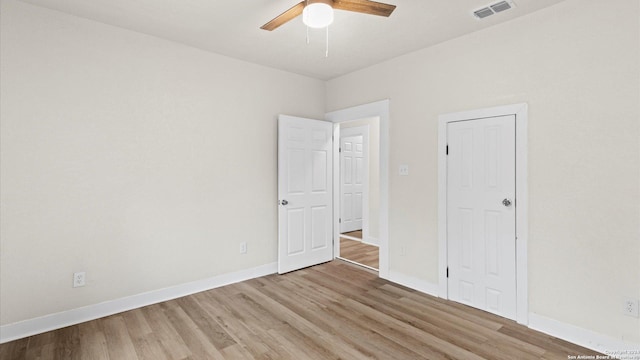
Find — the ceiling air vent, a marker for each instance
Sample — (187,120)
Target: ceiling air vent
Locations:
(483,13)
(501,6)
(493,8)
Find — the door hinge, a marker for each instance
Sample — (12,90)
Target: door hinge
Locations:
(339,149)
(447,272)
(340,220)
(447,149)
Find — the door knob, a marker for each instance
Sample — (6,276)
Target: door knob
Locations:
(284,202)
(506,202)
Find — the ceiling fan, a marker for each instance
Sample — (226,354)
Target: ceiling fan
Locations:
(319,13)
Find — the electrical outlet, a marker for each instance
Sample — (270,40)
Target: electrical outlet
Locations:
(78,279)
(243,247)
(630,307)
(403,251)
(404,170)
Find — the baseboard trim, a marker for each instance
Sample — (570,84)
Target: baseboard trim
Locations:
(369,240)
(414,283)
(586,338)
(59,320)
(372,241)
(350,237)
(357,263)
(589,339)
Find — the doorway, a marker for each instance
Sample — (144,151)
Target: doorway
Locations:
(359,156)
(379,207)
(482,209)
(304,163)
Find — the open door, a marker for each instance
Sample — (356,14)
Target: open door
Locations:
(305,163)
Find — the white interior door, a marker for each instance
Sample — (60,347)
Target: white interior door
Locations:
(351,182)
(481,212)
(305,162)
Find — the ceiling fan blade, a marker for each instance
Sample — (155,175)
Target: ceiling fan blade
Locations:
(364,6)
(286,16)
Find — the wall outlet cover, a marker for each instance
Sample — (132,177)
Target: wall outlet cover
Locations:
(79,279)
(630,307)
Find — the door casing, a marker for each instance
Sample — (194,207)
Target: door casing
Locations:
(520,111)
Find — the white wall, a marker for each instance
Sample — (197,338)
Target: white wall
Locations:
(577,65)
(140,161)
(374,173)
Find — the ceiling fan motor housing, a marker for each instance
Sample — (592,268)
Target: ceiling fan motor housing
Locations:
(318,13)
(328,2)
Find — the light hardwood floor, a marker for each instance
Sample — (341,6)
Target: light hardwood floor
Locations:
(359,252)
(356,234)
(331,311)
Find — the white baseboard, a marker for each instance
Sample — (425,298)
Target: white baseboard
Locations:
(414,283)
(372,241)
(608,345)
(357,263)
(369,241)
(586,338)
(59,320)
(351,237)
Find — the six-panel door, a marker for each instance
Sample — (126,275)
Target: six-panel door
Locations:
(481,214)
(305,163)
(351,182)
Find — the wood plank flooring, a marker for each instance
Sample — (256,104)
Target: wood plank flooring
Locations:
(331,311)
(359,252)
(356,234)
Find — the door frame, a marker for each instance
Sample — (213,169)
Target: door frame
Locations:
(364,132)
(521,114)
(379,109)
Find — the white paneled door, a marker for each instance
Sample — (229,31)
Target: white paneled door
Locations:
(351,182)
(305,163)
(481,234)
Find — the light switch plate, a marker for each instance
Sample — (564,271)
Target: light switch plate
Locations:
(404,170)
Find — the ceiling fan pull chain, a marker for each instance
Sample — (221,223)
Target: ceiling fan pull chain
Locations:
(326,53)
(307,4)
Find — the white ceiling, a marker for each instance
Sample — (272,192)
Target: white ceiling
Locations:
(232,28)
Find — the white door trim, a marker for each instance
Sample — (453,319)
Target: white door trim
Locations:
(364,131)
(520,111)
(378,109)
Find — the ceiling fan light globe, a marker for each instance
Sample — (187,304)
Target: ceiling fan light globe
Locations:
(317,15)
